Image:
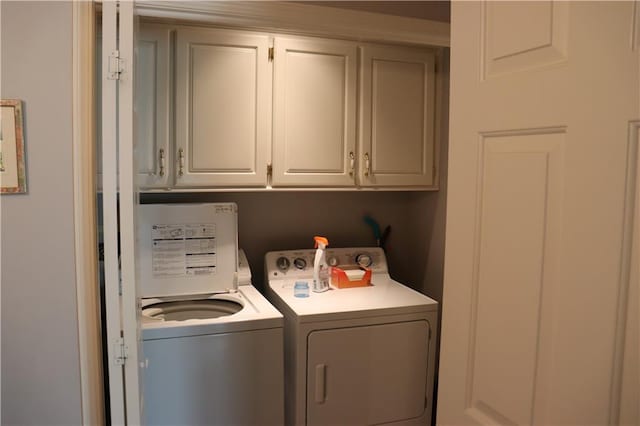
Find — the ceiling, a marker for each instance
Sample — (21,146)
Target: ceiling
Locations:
(433,10)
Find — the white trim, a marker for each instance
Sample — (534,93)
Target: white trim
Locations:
(302,19)
(110,215)
(291,189)
(442,99)
(635,268)
(127,203)
(1,93)
(86,260)
(626,274)
(624,409)
(272,16)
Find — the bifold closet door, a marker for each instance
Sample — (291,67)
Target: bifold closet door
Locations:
(542,173)
(119,201)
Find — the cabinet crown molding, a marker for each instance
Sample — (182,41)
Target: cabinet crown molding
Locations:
(302,19)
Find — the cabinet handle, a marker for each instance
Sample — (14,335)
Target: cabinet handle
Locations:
(352,162)
(321,376)
(367,164)
(181,165)
(161,162)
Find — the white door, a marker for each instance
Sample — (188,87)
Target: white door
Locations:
(314,117)
(152,105)
(223,108)
(543,95)
(368,375)
(397,111)
(118,204)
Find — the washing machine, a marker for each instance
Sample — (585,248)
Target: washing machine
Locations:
(353,356)
(212,344)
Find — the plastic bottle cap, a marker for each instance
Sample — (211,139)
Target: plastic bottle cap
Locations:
(321,240)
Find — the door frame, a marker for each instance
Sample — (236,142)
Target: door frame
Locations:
(629,270)
(320,21)
(276,16)
(84,212)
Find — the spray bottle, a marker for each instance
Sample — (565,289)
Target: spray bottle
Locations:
(320,267)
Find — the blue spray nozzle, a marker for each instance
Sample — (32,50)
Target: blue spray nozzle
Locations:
(374,227)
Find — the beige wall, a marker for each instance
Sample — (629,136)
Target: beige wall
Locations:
(289,220)
(40,366)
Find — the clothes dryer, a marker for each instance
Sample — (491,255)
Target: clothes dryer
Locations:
(212,344)
(353,356)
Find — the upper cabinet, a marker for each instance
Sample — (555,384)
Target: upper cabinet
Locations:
(314,115)
(153,106)
(220,109)
(223,108)
(397,113)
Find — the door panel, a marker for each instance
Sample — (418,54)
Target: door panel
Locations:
(542,29)
(119,198)
(316,139)
(396,83)
(314,115)
(535,217)
(367,375)
(127,203)
(152,106)
(636,26)
(397,117)
(629,348)
(108,143)
(223,108)
(520,192)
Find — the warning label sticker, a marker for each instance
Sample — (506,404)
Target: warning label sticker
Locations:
(183,250)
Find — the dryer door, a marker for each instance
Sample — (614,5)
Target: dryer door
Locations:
(367,375)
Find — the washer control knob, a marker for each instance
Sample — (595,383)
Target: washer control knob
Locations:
(283,263)
(364,260)
(333,261)
(299,263)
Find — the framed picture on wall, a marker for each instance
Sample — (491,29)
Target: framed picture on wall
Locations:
(12,170)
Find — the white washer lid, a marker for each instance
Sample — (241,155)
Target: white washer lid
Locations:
(244,270)
(187,249)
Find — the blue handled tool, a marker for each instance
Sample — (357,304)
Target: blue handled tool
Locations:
(374,227)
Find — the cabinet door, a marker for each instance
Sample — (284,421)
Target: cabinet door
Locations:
(314,112)
(367,375)
(152,105)
(397,117)
(223,112)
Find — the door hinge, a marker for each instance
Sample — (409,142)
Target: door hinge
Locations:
(115,66)
(121,352)
(271,54)
(269,170)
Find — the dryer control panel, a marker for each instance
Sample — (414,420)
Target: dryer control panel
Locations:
(299,263)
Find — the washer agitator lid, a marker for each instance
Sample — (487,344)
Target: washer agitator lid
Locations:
(187,249)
